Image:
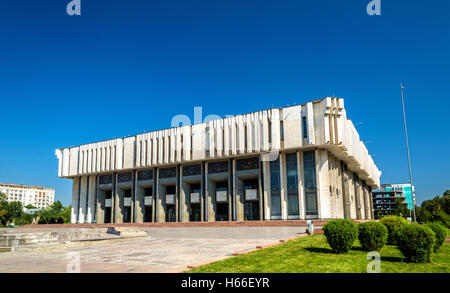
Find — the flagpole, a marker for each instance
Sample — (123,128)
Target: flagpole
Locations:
(409,160)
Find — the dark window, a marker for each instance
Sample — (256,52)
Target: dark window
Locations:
(105,179)
(309,167)
(247,164)
(124,177)
(217,167)
(305,127)
(282,130)
(292,184)
(145,175)
(168,172)
(275,188)
(192,170)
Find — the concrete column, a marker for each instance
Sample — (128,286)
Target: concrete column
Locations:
(372,216)
(367,205)
(100,210)
(317,161)
(184,198)
(230,190)
(203,195)
(83,199)
(363,200)
(239,198)
(301,185)
(233,163)
(154,193)
(356,192)
(75,200)
(323,184)
(139,204)
(118,201)
(133,197)
(260,192)
(177,194)
(91,198)
(210,197)
(266,191)
(283,191)
(160,198)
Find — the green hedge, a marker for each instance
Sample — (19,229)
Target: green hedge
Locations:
(441,234)
(340,234)
(372,235)
(392,223)
(416,242)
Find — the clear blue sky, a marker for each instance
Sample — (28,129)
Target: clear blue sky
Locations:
(125,67)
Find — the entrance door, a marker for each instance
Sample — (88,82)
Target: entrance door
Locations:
(107,215)
(194,216)
(251,209)
(222,211)
(170,213)
(148,214)
(127,215)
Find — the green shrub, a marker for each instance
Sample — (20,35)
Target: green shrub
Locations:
(441,234)
(372,235)
(340,234)
(392,223)
(416,242)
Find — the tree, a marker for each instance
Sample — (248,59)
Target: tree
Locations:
(55,214)
(3,211)
(14,211)
(435,210)
(445,202)
(401,208)
(30,206)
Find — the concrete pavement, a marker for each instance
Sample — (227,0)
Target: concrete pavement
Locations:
(166,250)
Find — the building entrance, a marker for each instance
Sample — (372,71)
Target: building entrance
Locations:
(170,213)
(107,215)
(148,214)
(195,215)
(222,211)
(251,204)
(251,210)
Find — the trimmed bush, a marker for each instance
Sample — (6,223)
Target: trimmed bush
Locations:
(340,234)
(372,235)
(416,242)
(441,234)
(392,223)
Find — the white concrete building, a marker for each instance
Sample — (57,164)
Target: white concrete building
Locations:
(37,196)
(299,162)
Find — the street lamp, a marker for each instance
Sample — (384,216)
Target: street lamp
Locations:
(409,160)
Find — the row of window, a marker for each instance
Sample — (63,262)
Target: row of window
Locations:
(309,167)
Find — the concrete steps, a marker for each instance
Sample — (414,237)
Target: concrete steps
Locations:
(23,239)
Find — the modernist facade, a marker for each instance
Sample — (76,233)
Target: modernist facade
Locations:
(299,162)
(39,197)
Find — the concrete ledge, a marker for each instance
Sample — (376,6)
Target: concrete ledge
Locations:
(72,244)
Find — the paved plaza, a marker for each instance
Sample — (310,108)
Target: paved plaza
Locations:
(165,250)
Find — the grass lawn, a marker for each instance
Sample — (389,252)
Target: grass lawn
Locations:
(312,254)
